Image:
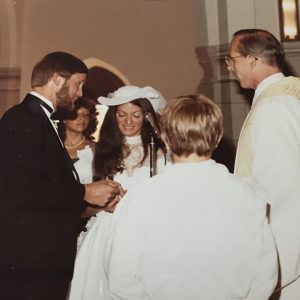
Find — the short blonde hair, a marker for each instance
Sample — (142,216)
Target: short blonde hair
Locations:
(192,124)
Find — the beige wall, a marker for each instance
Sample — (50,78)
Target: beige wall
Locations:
(9,55)
(151,42)
(176,46)
(216,21)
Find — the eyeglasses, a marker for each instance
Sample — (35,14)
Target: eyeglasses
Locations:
(229,59)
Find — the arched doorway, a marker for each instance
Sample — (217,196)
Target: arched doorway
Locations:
(102,79)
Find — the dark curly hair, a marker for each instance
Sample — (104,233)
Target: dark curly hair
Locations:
(63,114)
(109,151)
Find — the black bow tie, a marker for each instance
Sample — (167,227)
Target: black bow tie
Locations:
(44,104)
(54,117)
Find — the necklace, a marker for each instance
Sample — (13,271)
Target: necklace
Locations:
(75,146)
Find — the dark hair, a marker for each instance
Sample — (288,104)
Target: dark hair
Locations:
(261,43)
(109,151)
(64,114)
(62,63)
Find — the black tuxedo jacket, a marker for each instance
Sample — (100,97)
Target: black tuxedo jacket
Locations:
(40,204)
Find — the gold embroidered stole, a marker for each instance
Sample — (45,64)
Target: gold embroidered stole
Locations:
(244,155)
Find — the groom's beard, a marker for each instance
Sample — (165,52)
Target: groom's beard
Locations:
(64,99)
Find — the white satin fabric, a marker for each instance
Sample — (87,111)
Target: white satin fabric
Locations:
(90,272)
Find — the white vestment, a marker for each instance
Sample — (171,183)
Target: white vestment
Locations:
(275,165)
(194,232)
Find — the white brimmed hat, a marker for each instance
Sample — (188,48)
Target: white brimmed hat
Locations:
(129,93)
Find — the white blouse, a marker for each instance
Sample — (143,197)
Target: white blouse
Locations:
(84,164)
(133,172)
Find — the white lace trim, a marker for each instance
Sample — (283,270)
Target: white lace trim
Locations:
(136,154)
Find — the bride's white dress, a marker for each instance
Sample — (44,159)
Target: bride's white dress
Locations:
(89,279)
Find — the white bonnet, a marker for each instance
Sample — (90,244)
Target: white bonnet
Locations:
(129,93)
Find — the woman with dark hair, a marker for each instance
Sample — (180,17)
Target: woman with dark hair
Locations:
(122,153)
(123,150)
(75,129)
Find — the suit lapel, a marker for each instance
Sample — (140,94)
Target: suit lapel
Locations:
(33,105)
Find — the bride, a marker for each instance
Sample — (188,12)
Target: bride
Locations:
(122,154)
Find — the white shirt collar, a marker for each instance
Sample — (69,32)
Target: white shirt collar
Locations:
(48,114)
(265,83)
(45,100)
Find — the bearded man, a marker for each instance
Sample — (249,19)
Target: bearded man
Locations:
(41,198)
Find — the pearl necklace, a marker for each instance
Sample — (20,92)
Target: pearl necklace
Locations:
(75,146)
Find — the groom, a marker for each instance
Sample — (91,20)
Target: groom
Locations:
(41,199)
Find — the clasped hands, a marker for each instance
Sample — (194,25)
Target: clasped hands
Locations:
(105,194)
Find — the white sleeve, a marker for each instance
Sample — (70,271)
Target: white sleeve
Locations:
(266,271)
(275,141)
(276,166)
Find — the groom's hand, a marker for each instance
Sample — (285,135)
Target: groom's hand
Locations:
(101,193)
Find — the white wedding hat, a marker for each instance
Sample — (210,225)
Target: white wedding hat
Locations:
(129,93)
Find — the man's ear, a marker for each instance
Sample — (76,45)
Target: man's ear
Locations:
(254,60)
(58,80)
